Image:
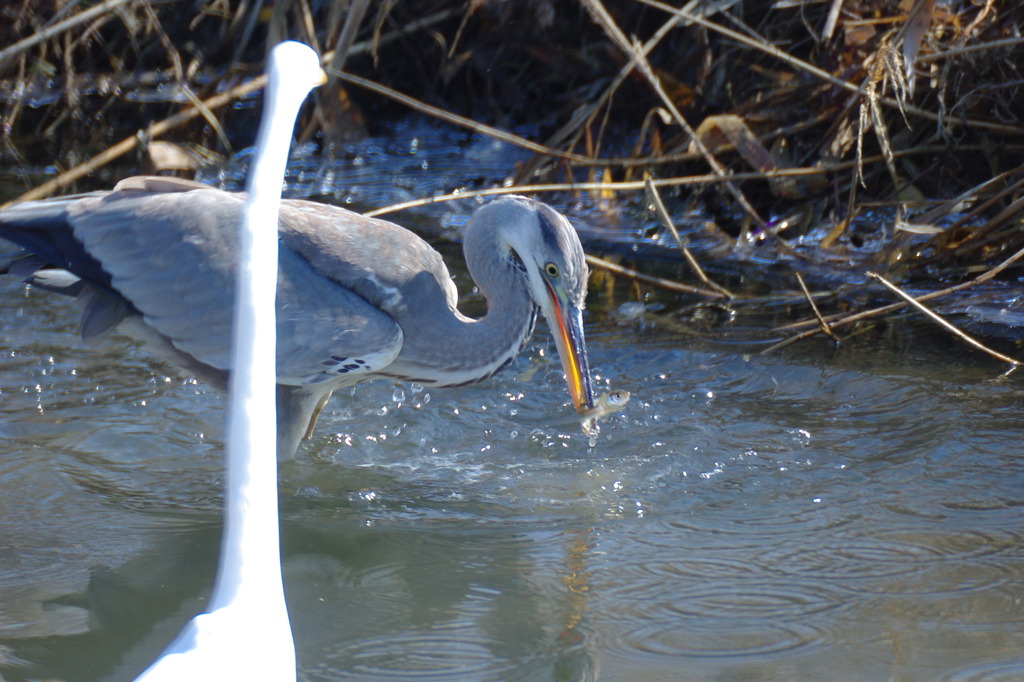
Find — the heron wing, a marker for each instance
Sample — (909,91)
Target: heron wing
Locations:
(387,265)
(325,330)
(172,256)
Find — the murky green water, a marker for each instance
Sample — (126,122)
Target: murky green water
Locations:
(849,515)
(816,514)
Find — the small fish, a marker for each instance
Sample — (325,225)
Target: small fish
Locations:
(607,403)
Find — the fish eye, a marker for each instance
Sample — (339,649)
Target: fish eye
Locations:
(551,269)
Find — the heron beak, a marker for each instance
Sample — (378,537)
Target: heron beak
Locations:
(567,326)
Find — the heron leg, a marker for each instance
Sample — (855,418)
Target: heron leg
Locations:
(297,411)
(316,414)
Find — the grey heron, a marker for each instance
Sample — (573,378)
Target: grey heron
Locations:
(247,608)
(358,298)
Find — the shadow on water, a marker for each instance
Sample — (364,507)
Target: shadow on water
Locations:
(819,513)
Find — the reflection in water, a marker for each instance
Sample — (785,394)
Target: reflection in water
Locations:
(789,517)
(578,658)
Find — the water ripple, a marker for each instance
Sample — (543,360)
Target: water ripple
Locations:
(712,639)
(425,655)
(1010,670)
(926,562)
(755,599)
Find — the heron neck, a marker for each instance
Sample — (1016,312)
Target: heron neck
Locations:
(497,337)
(442,346)
(477,348)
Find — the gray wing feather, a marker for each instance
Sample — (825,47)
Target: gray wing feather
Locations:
(380,261)
(325,330)
(170,259)
(173,257)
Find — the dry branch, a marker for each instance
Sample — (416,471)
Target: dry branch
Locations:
(844,320)
(938,319)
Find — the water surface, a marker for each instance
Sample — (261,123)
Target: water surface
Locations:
(817,514)
(820,513)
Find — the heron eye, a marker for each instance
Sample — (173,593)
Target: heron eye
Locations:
(551,269)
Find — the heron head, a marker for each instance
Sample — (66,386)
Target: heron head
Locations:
(548,250)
